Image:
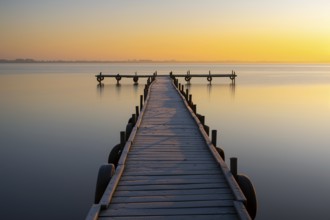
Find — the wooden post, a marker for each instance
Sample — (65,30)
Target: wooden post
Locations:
(207,130)
(214,138)
(194,108)
(137,112)
(141,102)
(179,86)
(133,119)
(202,119)
(122,138)
(190,100)
(187,94)
(233,166)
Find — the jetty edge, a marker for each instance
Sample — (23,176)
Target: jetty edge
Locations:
(168,167)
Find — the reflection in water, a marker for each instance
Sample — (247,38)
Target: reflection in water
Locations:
(209,89)
(100,88)
(232,88)
(118,89)
(279,113)
(136,88)
(218,88)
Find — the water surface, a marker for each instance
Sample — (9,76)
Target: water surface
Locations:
(58,126)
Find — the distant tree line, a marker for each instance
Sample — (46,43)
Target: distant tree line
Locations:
(79,61)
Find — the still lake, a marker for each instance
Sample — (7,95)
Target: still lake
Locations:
(57,126)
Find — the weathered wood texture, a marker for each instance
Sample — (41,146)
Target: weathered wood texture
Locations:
(169,172)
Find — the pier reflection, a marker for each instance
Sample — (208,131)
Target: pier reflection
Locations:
(100,88)
(118,90)
(212,90)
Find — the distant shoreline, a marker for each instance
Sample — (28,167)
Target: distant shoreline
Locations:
(155,61)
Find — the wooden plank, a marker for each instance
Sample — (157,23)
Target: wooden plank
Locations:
(205,177)
(172,198)
(168,212)
(141,164)
(176,204)
(201,170)
(165,150)
(175,187)
(150,166)
(182,217)
(171,192)
(197,143)
(174,138)
(182,126)
(147,134)
(174,154)
(168,181)
(172,172)
(168,158)
(180,151)
(167,147)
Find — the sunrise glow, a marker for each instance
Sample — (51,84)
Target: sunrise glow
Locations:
(208,30)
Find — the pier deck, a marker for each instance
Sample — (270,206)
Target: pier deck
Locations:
(170,170)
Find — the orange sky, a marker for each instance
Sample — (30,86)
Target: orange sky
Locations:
(208,30)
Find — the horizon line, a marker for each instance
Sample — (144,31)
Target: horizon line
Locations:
(29,60)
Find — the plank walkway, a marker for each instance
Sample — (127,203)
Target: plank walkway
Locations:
(170,170)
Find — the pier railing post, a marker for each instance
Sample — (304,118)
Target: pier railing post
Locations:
(190,100)
(134,119)
(201,118)
(207,130)
(233,166)
(122,138)
(214,138)
(194,108)
(137,112)
(187,94)
(141,102)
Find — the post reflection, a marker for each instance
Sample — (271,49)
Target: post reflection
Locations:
(117,89)
(221,89)
(100,89)
(232,88)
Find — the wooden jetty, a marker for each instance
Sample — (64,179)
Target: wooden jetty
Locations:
(100,77)
(169,168)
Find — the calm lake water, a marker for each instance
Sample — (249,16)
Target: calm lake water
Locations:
(57,127)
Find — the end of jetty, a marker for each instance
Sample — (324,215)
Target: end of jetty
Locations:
(118,77)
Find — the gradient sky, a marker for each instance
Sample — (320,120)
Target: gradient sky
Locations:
(184,30)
